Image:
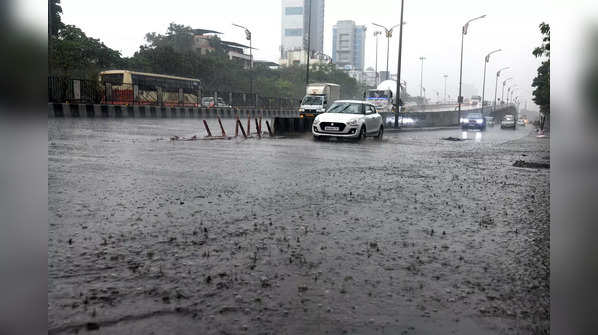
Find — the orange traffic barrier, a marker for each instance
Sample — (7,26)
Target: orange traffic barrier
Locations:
(257,128)
(221,127)
(269,129)
(248,124)
(239,125)
(207,128)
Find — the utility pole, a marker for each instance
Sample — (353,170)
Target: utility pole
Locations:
(486,60)
(308,45)
(463,33)
(398,98)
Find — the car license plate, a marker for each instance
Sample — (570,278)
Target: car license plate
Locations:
(331,128)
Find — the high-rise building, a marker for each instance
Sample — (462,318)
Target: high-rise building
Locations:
(295,26)
(348,45)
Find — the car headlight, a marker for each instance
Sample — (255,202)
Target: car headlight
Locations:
(300,110)
(480,121)
(353,122)
(316,121)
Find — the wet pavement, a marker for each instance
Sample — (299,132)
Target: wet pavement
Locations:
(410,235)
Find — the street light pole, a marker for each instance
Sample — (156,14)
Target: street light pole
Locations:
(421,79)
(398,97)
(510,92)
(308,45)
(502,97)
(445,76)
(496,85)
(248,36)
(388,36)
(376,34)
(486,60)
(463,33)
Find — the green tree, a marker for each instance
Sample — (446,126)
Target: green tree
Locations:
(73,54)
(541,82)
(54,19)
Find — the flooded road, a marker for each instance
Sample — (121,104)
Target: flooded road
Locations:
(410,235)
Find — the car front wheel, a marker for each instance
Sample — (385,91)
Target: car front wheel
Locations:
(380,133)
(361,134)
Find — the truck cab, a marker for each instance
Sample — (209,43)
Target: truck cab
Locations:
(317,99)
(382,99)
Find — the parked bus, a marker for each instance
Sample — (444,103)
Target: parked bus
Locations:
(128,87)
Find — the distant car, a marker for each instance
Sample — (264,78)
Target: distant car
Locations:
(473,121)
(521,122)
(508,121)
(210,102)
(490,121)
(403,121)
(350,119)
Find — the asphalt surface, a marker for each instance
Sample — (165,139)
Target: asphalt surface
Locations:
(287,235)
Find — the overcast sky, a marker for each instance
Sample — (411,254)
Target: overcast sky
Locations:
(432,30)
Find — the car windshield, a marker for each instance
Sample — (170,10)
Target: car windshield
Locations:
(508,117)
(312,100)
(474,116)
(209,99)
(345,108)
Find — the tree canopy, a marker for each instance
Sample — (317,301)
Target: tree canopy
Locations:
(73,54)
(542,81)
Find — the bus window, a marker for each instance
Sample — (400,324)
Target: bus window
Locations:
(115,79)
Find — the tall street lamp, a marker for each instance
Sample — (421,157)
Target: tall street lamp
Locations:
(398,97)
(388,32)
(445,76)
(496,85)
(510,92)
(463,33)
(502,97)
(486,60)
(421,79)
(376,34)
(248,37)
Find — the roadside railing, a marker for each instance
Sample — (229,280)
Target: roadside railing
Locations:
(82,91)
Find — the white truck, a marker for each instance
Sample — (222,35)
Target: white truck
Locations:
(383,97)
(318,97)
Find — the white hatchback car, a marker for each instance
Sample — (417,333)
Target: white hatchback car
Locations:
(349,118)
